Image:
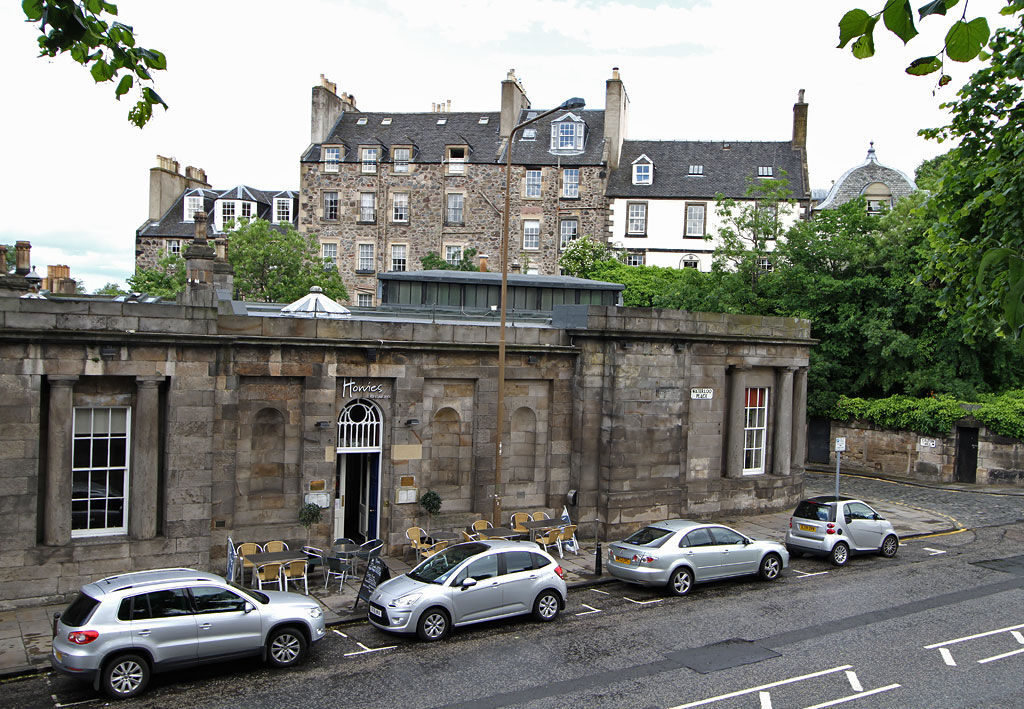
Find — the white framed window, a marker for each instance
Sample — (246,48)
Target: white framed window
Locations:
(765,264)
(364,300)
(755,430)
(454,214)
(456,160)
(361,121)
(689,261)
(368,160)
(483,120)
(385,121)
(636,218)
(99,470)
(765,171)
(529,134)
(642,173)
(568,231)
(364,257)
(533,181)
(193,204)
(400,157)
(367,207)
(570,183)
(695,219)
(400,207)
(634,258)
(227,214)
(282,209)
(567,135)
(332,159)
(453,255)
(399,257)
(174,246)
(245,211)
(531,233)
(329,250)
(331,206)
(696,170)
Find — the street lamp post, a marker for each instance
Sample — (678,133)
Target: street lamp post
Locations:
(571,104)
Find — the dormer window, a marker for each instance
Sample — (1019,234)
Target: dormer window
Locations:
(361,121)
(332,158)
(765,171)
(229,210)
(457,160)
(400,157)
(567,133)
(385,121)
(368,158)
(643,171)
(193,204)
(282,210)
(696,170)
(529,134)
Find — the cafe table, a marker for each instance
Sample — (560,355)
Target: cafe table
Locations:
(541,525)
(444,536)
(498,533)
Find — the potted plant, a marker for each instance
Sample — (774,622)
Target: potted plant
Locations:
(310,514)
(430,501)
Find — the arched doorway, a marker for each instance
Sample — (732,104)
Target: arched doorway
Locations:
(357,482)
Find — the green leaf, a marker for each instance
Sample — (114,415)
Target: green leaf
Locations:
(151,96)
(864,47)
(153,58)
(123,86)
(854,24)
(899,19)
(965,39)
(33,9)
(936,7)
(94,6)
(945,79)
(924,65)
(101,71)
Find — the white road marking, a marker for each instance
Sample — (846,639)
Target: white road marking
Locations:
(850,698)
(606,593)
(70,704)
(762,687)
(1017,634)
(340,633)
(588,612)
(855,684)
(934,552)
(644,603)
(805,574)
(947,656)
(1000,657)
(973,637)
(369,649)
(766,700)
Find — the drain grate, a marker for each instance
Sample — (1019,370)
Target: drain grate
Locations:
(723,655)
(1009,565)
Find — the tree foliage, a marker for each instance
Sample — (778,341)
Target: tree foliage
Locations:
(433,262)
(110,289)
(84,30)
(581,256)
(277,264)
(166,279)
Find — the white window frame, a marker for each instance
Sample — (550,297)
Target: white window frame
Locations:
(636,218)
(570,183)
(765,171)
(455,208)
(531,234)
(533,184)
(173,246)
(282,209)
(193,204)
(765,264)
(223,216)
(634,258)
(329,202)
(755,430)
(401,157)
(696,171)
(399,258)
(245,211)
(367,208)
(643,173)
(457,166)
(400,207)
(567,134)
(364,300)
(568,231)
(90,470)
(368,160)
(365,257)
(329,250)
(690,261)
(696,225)
(332,159)
(453,254)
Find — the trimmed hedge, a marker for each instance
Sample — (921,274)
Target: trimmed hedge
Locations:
(1003,414)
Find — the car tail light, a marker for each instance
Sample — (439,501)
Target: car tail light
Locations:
(831,528)
(82,637)
(561,572)
(790,522)
(644,558)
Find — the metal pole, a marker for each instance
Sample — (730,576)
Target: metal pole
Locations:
(839,455)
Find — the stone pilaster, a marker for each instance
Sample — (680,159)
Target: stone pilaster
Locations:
(735,421)
(142,515)
(799,458)
(57,513)
(783,422)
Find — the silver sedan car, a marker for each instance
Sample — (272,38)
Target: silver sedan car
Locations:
(470,583)
(678,553)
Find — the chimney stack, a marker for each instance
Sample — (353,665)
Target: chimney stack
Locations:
(513,102)
(800,122)
(3,260)
(23,258)
(199,267)
(616,118)
(327,108)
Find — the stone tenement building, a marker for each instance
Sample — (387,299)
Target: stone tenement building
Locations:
(381,190)
(141,435)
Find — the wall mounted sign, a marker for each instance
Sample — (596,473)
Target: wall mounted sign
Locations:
(363,390)
(702,393)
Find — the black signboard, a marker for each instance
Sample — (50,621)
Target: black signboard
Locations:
(376,571)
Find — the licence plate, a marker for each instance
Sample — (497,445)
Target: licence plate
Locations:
(807,527)
(622,559)
(375,611)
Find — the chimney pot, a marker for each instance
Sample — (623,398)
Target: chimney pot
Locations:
(23,258)
(483,262)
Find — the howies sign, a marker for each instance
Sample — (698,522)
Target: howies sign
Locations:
(350,387)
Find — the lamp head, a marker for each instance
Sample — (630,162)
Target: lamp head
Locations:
(572,104)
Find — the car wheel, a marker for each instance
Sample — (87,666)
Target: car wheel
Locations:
(681,581)
(546,607)
(889,546)
(794,553)
(840,554)
(771,567)
(125,676)
(433,625)
(286,647)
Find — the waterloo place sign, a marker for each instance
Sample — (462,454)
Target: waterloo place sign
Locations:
(365,390)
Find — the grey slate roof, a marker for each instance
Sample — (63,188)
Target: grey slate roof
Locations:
(725,170)
(429,140)
(172,223)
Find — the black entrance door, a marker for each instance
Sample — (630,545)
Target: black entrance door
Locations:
(966,454)
(819,431)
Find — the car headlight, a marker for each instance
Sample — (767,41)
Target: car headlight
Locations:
(315,612)
(406,600)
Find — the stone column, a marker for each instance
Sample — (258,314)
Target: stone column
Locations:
(799,459)
(57,513)
(145,464)
(783,422)
(735,421)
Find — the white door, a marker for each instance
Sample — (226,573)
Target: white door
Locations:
(339,499)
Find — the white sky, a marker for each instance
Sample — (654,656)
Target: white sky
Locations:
(76,174)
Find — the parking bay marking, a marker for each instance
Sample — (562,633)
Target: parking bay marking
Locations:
(947,656)
(762,687)
(934,552)
(805,574)
(591,610)
(368,649)
(644,603)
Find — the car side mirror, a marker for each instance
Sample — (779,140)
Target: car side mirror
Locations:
(878,516)
(747,541)
(468,583)
(248,607)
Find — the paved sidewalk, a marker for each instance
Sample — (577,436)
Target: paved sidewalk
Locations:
(25,633)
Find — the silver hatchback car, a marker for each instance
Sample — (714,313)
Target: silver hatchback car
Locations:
(119,630)
(835,528)
(678,553)
(470,583)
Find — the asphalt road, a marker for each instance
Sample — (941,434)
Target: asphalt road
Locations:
(938,626)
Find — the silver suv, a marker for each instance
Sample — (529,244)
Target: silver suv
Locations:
(836,527)
(121,629)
